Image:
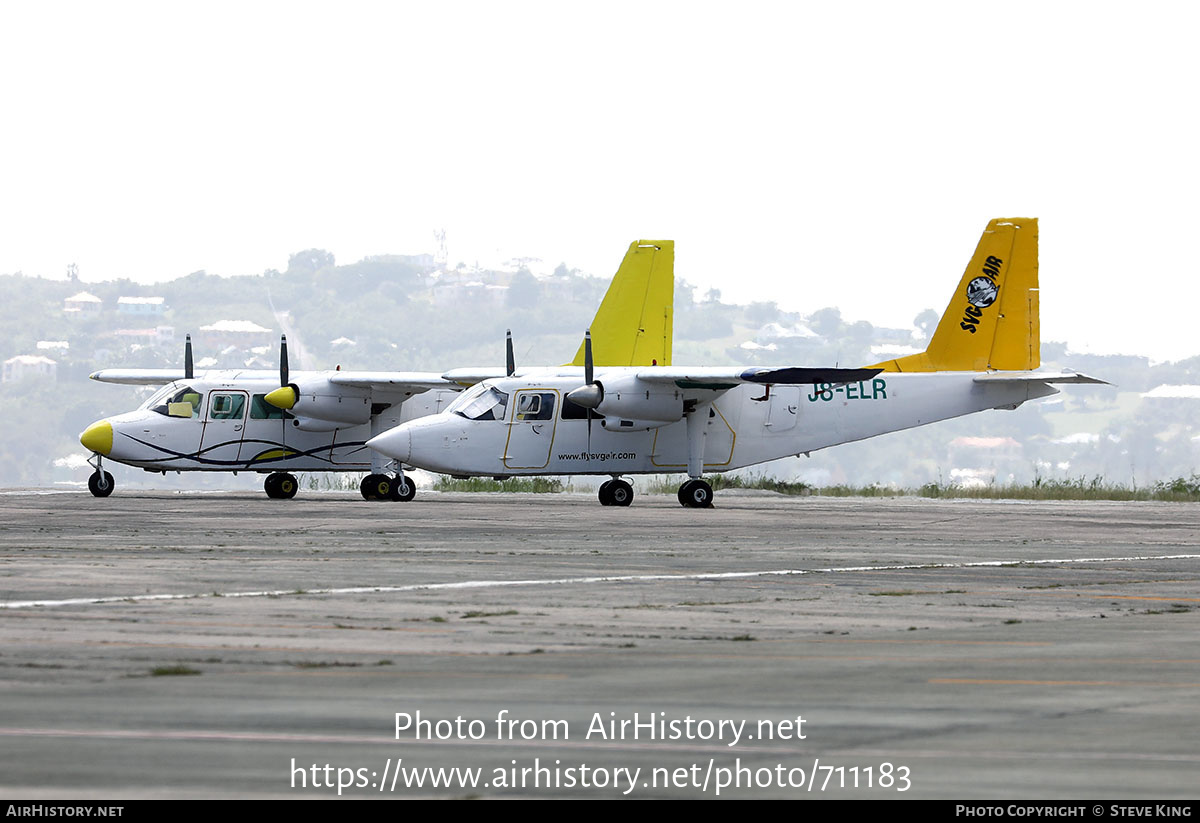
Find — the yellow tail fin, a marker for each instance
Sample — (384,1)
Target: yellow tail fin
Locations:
(992,320)
(633,326)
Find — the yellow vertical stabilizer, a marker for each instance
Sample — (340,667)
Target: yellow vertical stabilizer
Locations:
(633,326)
(992,320)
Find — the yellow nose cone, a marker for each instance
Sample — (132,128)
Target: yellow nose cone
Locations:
(283,398)
(98,437)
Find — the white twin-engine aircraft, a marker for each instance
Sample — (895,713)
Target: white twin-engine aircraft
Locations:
(278,423)
(642,420)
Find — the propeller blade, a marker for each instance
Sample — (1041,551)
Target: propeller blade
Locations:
(283,360)
(510,360)
(587,357)
(188,370)
(588,374)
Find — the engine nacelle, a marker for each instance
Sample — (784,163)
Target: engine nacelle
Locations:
(321,400)
(311,424)
(640,402)
(624,424)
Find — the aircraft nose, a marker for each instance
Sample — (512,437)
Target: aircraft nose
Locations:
(98,437)
(396,444)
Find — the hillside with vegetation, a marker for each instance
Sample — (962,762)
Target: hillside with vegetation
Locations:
(397,312)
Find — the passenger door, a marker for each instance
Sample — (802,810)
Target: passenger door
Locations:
(224,427)
(531,430)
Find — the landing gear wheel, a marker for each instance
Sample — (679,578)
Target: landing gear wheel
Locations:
(696,494)
(620,493)
(403,489)
(376,487)
(605,493)
(101,484)
(287,487)
(271,485)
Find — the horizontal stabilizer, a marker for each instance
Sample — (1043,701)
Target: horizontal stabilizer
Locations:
(1038,377)
(733,375)
(798,375)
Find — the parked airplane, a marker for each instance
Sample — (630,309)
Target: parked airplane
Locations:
(278,423)
(695,419)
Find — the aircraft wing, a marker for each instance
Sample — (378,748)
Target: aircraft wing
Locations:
(1038,377)
(471,376)
(138,377)
(421,381)
(726,377)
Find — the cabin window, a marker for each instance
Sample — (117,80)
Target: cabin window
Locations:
(535,406)
(227,406)
(574,411)
(260,409)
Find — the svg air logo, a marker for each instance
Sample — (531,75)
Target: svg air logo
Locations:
(981,293)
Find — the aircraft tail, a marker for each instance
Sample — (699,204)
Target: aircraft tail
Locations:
(633,326)
(992,320)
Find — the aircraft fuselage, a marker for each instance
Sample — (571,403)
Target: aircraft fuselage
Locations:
(745,425)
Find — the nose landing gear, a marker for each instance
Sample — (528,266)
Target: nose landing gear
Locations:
(101,483)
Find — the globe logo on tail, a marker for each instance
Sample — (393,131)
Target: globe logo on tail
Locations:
(982,292)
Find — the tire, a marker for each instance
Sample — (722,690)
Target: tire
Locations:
(620,493)
(403,490)
(605,493)
(376,487)
(696,494)
(271,485)
(101,484)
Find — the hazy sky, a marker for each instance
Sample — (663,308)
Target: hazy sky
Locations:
(813,154)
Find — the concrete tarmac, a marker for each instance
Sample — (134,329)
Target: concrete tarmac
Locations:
(226,645)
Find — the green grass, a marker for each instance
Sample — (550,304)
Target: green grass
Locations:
(1178,490)
(170,671)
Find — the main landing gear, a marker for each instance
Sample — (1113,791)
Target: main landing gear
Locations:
(615,492)
(386,487)
(696,494)
(281,486)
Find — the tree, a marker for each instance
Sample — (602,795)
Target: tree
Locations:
(309,261)
(523,291)
(927,322)
(826,322)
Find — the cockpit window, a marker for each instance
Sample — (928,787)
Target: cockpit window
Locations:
(481,403)
(184,402)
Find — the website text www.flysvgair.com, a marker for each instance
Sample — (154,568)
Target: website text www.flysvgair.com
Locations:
(792,771)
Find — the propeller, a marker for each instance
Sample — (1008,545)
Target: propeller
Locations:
(283,360)
(285,397)
(510,360)
(189,373)
(591,393)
